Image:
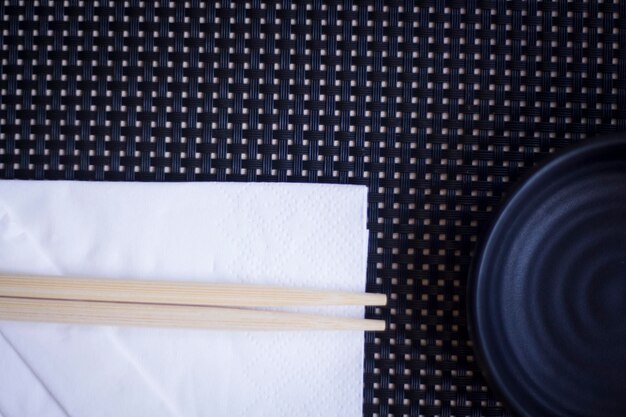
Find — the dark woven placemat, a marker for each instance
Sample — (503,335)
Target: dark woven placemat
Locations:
(437,107)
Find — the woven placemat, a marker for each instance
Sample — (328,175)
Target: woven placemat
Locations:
(437,107)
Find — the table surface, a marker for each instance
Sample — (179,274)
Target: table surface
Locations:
(438,108)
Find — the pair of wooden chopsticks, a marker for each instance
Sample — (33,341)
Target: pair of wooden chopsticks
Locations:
(175,304)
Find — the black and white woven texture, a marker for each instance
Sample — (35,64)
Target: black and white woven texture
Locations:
(436,106)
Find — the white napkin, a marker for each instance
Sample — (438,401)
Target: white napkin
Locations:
(285,234)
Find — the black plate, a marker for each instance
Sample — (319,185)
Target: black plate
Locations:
(547,291)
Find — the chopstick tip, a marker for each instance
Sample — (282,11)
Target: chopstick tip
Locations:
(379,300)
(378,326)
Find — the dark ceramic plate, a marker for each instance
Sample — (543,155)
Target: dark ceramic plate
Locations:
(547,291)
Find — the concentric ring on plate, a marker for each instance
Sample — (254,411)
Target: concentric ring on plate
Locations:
(547,289)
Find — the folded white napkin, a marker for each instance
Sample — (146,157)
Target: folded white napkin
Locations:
(285,234)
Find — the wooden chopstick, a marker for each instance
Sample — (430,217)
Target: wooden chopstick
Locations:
(167,315)
(174,304)
(188,293)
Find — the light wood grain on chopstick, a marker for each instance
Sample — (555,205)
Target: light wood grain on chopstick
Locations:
(189,293)
(160,315)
